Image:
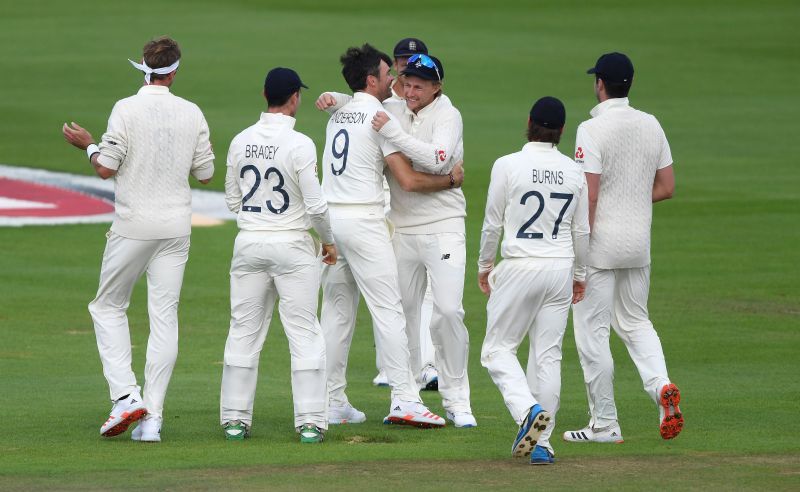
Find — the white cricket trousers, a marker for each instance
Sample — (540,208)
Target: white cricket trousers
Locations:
(340,307)
(267,265)
(362,236)
(443,257)
(529,297)
(124,261)
(616,298)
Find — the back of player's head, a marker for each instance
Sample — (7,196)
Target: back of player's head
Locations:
(616,72)
(546,120)
(161,52)
(280,84)
(358,63)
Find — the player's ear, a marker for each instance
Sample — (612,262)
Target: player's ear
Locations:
(264,93)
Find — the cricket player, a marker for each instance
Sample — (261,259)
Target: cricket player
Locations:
(429,240)
(272,184)
(353,166)
(339,284)
(628,166)
(150,231)
(538,200)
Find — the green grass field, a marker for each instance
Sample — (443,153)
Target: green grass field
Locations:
(722,79)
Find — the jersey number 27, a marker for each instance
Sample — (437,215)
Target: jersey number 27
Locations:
(523,232)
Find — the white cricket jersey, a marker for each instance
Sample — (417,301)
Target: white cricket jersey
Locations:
(538,200)
(352,160)
(433,139)
(272,179)
(626,147)
(154,141)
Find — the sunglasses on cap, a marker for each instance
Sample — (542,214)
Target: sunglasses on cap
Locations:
(425,61)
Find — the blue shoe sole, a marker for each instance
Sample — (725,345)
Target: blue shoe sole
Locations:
(533,426)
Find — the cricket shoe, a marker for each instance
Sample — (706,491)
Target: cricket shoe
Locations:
(125,411)
(529,431)
(413,413)
(669,413)
(345,414)
(462,419)
(608,434)
(542,456)
(148,430)
(381,379)
(310,434)
(429,379)
(236,430)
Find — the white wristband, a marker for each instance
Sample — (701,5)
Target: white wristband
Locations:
(91,150)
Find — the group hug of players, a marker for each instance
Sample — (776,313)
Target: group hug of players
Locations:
(389,222)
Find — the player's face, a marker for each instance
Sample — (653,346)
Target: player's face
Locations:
(419,92)
(385,80)
(400,64)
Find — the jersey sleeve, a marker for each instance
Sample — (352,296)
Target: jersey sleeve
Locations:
(341,100)
(580,231)
(233,193)
(587,154)
(493,218)
(304,160)
(433,157)
(114,143)
(665,154)
(387,147)
(203,159)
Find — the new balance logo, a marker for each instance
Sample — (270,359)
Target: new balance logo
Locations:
(446,256)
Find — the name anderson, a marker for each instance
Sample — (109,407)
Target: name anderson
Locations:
(546,176)
(356,118)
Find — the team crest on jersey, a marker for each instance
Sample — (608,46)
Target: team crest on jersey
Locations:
(579,153)
(442,155)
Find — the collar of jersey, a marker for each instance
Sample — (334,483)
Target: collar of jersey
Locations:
(277,119)
(616,102)
(154,89)
(539,146)
(363,96)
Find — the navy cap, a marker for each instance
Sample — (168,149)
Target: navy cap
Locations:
(424,67)
(549,112)
(282,82)
(409,46)
(613,67)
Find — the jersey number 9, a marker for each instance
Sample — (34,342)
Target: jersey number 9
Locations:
(340,155)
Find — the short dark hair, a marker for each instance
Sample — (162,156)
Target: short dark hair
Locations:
(539,133)
(161,52)
(615,89)
(358,63)
(274,102)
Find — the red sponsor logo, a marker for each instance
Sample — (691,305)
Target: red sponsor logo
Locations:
(579,153)
(442,155)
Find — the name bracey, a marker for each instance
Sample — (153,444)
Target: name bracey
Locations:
(546,176)
(260,151)
(354,118)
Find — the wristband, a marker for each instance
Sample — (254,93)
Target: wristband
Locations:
(91,150)
(452,179)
